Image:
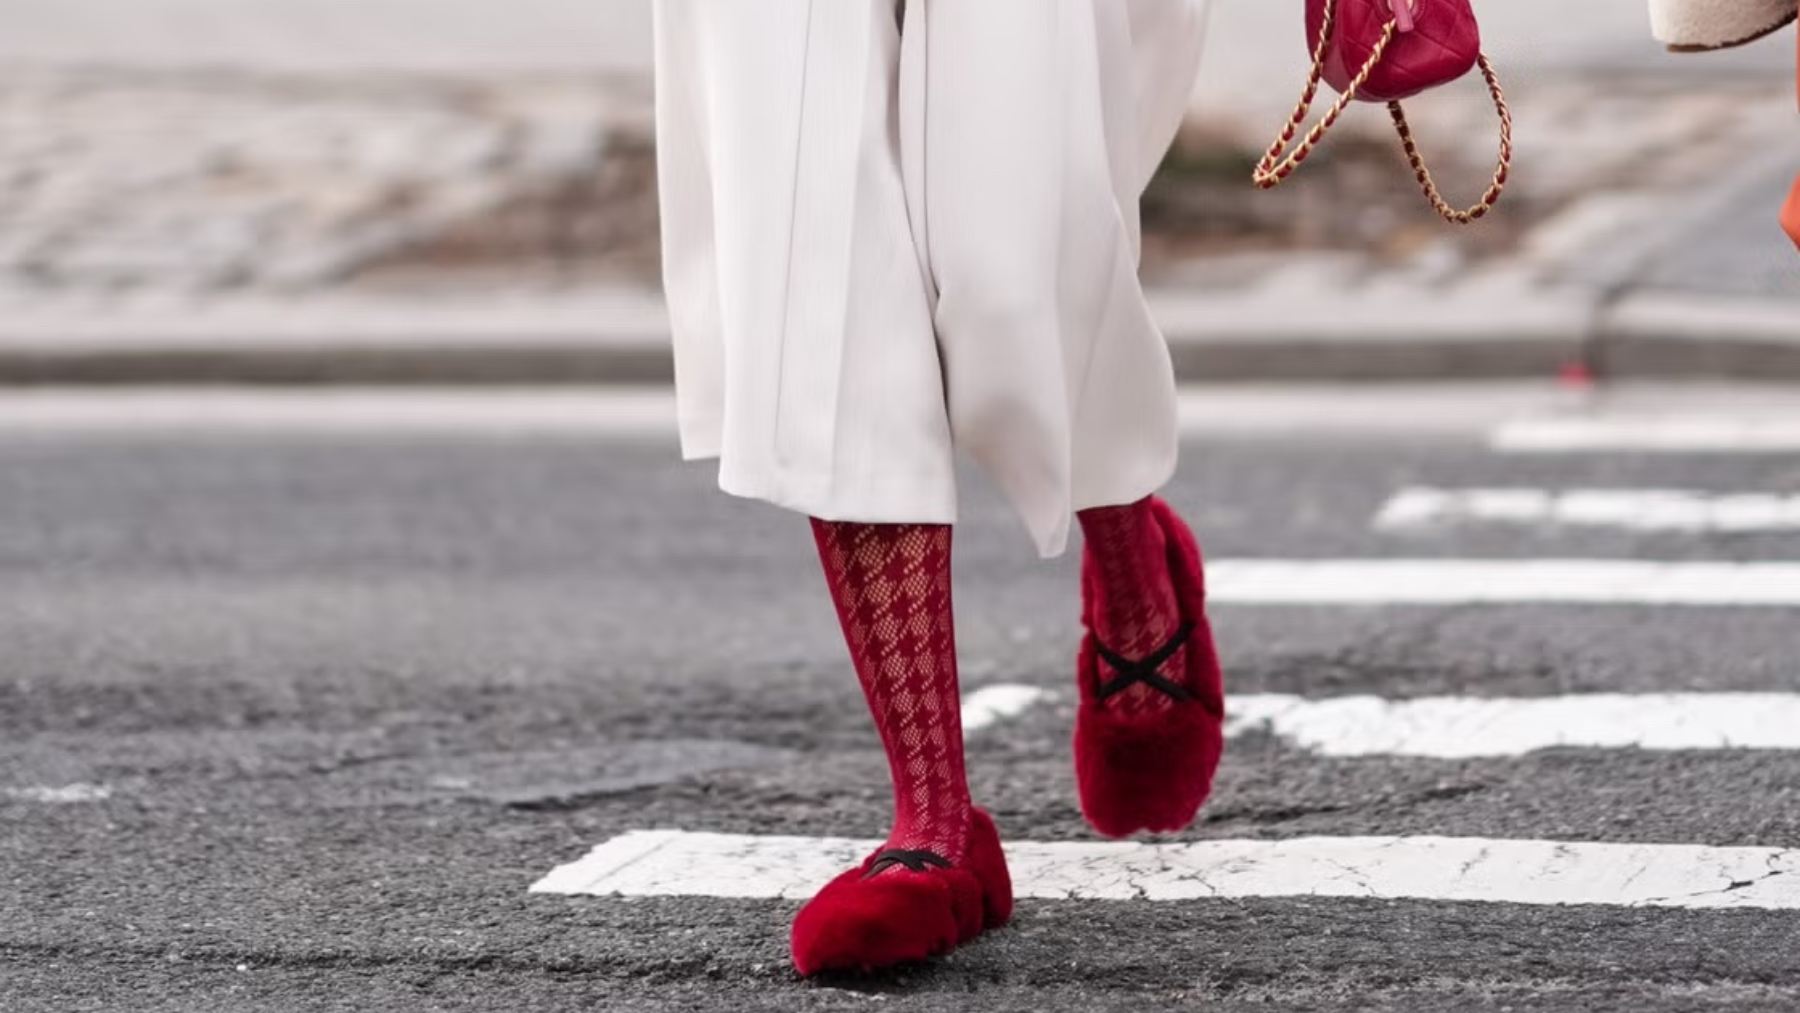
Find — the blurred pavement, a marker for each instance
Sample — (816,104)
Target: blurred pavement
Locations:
(300,699)
(292,189)
(329,36)
(335,36)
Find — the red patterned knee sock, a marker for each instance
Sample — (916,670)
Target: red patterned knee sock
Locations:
(1137,611)
(891,585)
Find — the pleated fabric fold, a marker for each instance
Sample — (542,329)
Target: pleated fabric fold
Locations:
(893,230)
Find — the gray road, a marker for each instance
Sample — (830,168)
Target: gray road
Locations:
(352,696)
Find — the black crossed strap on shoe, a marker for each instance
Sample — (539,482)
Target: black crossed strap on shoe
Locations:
(914,860)
(1145,671)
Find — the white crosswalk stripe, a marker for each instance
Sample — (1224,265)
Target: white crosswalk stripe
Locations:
(1462,727)
(678,863)
(1651,434)
(1454,727)
(1424,508)
(1498,581)
(991,704)
(1669,874)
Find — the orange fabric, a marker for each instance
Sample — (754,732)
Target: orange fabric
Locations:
(1790,213)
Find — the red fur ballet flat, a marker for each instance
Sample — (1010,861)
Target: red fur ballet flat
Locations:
(864,922)
(1150,771)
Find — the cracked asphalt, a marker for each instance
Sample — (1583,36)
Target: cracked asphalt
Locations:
(340,701)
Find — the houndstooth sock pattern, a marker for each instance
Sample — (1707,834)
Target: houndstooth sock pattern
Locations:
(1139,612)
(891,586)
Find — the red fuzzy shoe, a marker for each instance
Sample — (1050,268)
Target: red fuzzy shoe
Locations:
(859,923)
(1150,771)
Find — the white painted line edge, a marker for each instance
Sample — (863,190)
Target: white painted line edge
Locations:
(1462,727)
(1649,434)
(991,704)
(679,863)
(1466,727)
(68,794)
(1425,508)
(614,855)
(1473,581)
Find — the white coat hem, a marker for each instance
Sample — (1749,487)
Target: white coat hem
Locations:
(887,497)
(893,498)
(898,230)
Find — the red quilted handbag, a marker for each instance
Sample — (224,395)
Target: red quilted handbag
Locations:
(1384,51)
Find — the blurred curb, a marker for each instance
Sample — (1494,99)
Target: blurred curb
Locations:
(1368,333)
(1669,336)
(601,336)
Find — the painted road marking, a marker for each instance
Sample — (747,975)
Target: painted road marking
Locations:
(1494,581)
(1424,508)
(1460,727)
(990,704)
(1457,727)
(1716,434)
(679,863)
(68,794)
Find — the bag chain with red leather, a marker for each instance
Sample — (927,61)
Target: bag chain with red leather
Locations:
(1384,51)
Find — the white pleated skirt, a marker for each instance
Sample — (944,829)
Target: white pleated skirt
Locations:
(893,229)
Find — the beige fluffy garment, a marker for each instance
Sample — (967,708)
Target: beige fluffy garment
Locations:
(1716,24)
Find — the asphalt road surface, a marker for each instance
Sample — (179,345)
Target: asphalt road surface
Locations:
(293,721)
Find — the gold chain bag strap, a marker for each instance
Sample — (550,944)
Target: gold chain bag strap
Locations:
(1274,168)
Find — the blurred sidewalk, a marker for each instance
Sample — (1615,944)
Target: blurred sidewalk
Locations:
(330,37)
(468,36)
(401,190)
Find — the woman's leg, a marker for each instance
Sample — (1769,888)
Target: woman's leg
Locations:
(940,879)
(1035,150)
(891,585)
(1148,734)
(1135,608)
